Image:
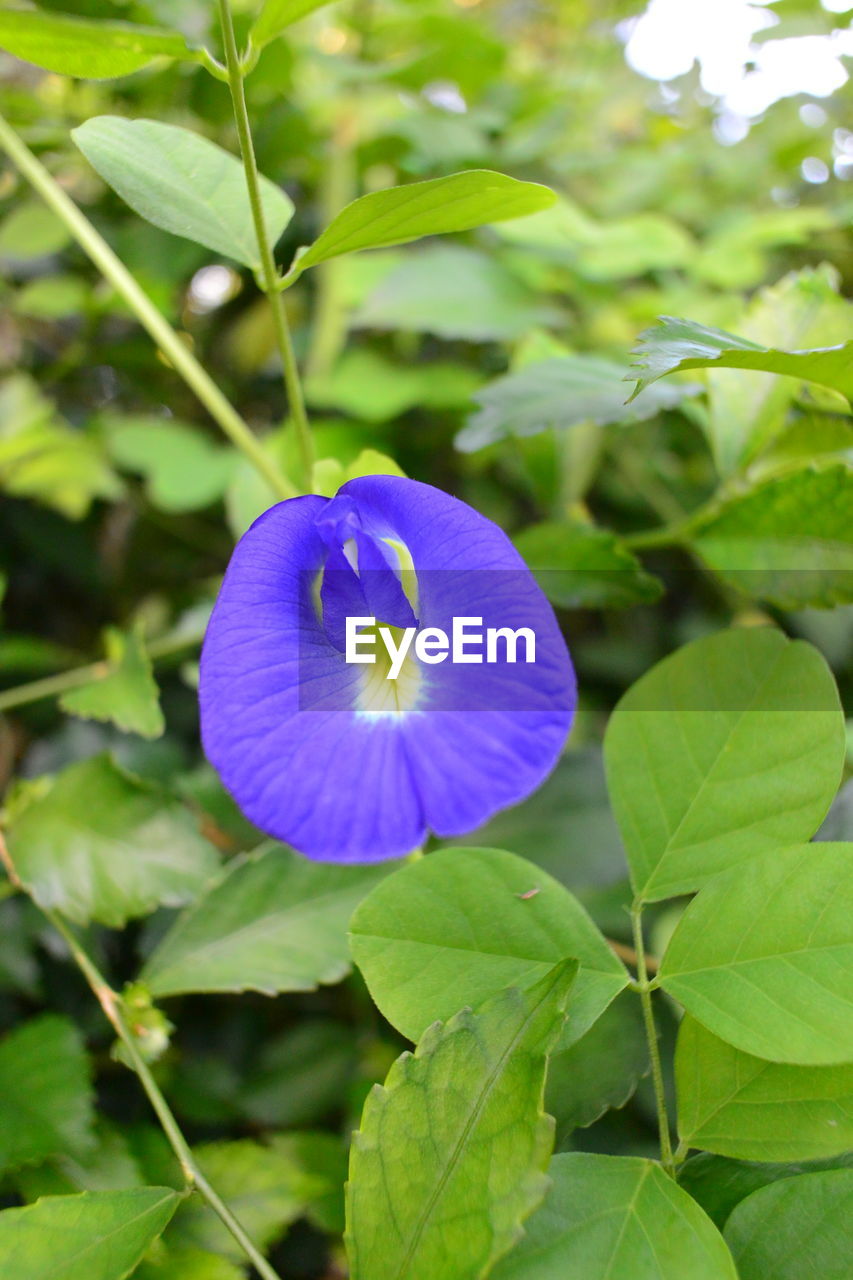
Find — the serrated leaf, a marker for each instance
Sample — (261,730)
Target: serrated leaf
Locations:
(557,394)
(468,1104)
(795,1228)
(183,183)
(274,922)
(263,1186)
(581,567)
(676,344)
(45,1085)
(599,1071)
(765,960)
(438,206)
(454,928)
(737,1105)
(276,16)
(86,48)
(183,469)
(617,1216)
(788,540)
(128,695)
(99,1235)
(729,747)
(102,845)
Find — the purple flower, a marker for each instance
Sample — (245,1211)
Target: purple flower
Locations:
(333,756)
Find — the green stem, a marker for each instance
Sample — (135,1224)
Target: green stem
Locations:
(644,987)
(169,342)
(110,1002)
(53,686)
(269,272)
(670,535)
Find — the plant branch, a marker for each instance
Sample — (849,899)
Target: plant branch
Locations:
(55,685)
(173,348)
(643,986)
(269,273)
(111,1003)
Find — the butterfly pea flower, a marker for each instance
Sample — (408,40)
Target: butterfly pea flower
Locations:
(339,758)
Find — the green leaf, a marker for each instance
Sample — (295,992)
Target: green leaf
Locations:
(46,1090)
(173,1261)
(677,344)
(128,696)
(795,1228)
(617,1216)
(730,746)
(601,1070)
(719,1184)
(557,394)
(273,922)
(263,1186)
(737,1105)
(611,250)
(468,1102)
(183,183)
(102,845)
(788,540)
(457,926)
(44,458)
(85,48)
(31,230)
(765,960)
(454,292)
(581,567)
(399,215)
(184,470)
(276,16)
(367,386)
(99,1235)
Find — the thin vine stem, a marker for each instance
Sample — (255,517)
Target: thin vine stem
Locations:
(54,686)
(173,348)
(236,68)
(111,1003)
(644,987)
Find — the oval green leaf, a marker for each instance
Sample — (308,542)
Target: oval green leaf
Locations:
(765,960)
(274,922)
(738,1105)
(609,1217)
(730,746)
(440,205)
(99,1235)
(183,183)
(460,925)
(86,48)
(795,1228)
